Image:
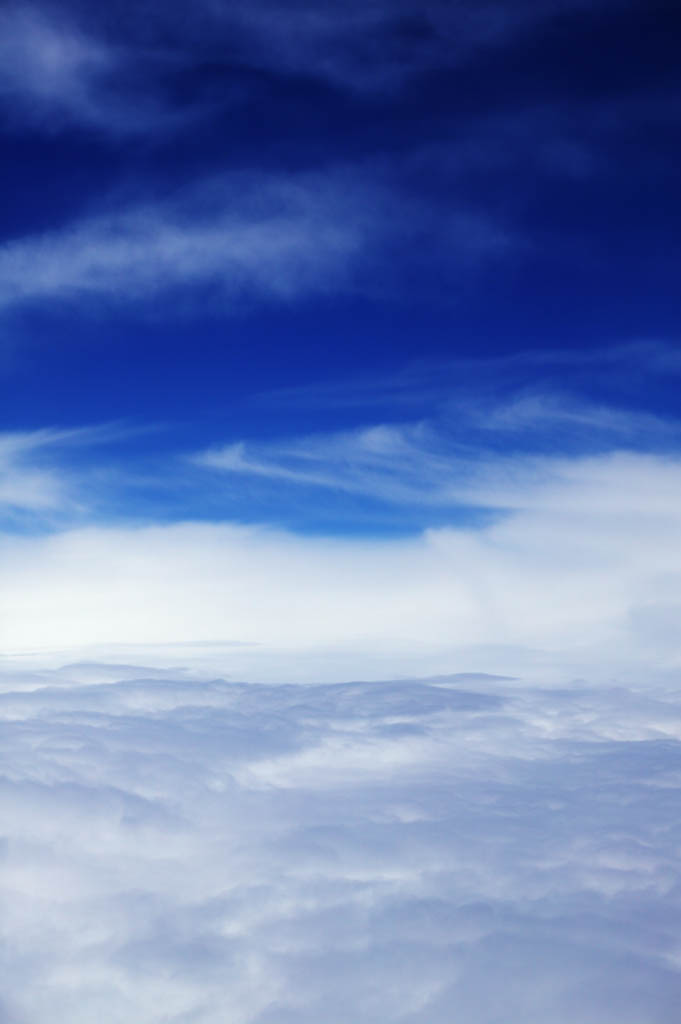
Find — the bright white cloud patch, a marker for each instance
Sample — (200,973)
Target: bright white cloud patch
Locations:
(581,557)
(409,851)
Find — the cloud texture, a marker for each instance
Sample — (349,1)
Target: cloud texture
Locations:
(109,68)
(194,851)
(272,237)
(541,554)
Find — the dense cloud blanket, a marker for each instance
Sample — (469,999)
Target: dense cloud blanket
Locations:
(462,848)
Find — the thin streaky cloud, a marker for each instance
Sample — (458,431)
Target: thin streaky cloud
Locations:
(273,237)
(278,237)
(458,459)
(368,47)
(476,455)
(35,478)
(110,71)
(558,376)
(25,485)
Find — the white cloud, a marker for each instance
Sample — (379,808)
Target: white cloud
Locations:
(580,557)
(563,553)
(26,483)
(36,482)
(422,463)
(108,69)
(183,848)
(388,461)
(102,69)
(477,389)
(244,235)
(194,850)
(272,237)
(56,72)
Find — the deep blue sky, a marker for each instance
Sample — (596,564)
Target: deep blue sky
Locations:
(244,222)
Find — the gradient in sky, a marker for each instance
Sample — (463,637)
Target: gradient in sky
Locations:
(340,342)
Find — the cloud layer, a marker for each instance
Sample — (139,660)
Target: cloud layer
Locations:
(540,551)
(580,557)
(410,851)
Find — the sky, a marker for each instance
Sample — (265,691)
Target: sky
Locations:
(340,507)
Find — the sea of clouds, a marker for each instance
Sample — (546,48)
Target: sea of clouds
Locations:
(471,848)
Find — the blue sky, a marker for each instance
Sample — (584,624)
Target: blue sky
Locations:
(208,211)
(336,274)
(340,506)
(337,278)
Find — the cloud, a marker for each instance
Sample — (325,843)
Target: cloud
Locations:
(482,453)
(537,528)
(538,549)
(112,70)
(239,236)
(193,850)
(54,73)
(26,483)
(47,63)
(353,45)
(578,558)
(273,238)
(485,388)
(386,461)
(39,485)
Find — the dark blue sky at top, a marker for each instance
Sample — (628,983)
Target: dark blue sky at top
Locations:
(503,178)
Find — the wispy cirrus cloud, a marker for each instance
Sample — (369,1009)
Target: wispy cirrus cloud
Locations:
(47,64)
(274,238)
(484,452)
(39,484)
(564,383)
(369,47)
(351,44)
(28,483)
(237,236)
(479,451)
(55,72)
(382,460)
(111,69)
